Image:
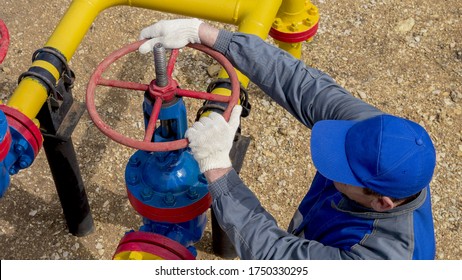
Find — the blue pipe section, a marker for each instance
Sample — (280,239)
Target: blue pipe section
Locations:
(165,180)
(174,113)
(186,233)
(20,153)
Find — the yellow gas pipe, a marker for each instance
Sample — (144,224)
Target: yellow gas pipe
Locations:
(249,15)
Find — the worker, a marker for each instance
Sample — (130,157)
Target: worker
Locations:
(370,197)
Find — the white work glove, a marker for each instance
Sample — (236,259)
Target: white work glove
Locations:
(211,139)
(173,34)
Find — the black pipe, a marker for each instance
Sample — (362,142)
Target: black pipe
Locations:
(69,184)
(58,117)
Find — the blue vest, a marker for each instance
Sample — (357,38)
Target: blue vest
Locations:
(334,220)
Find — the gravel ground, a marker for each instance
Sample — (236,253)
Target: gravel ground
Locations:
(405,57)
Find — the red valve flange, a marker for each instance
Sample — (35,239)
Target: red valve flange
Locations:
(154,244)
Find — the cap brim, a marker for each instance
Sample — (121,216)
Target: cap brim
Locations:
(328,151)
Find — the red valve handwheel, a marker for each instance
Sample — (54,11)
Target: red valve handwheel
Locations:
(4,41)
(159,94)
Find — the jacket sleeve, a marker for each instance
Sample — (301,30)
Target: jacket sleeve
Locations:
(307,93)
(255,233)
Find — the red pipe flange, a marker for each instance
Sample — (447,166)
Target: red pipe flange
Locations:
(154,244)
(25,126)
(294,37)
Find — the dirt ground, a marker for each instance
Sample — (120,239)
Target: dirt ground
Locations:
(405,57)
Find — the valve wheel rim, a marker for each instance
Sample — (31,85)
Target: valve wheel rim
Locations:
(145,145)
(4,40)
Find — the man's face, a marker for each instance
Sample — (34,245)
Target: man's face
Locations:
(354,193)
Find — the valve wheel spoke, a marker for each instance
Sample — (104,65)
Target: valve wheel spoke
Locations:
(171,62)
(122,84)
(202,95)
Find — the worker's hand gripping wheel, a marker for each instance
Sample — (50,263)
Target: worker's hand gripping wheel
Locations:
(164,91)
(164,183)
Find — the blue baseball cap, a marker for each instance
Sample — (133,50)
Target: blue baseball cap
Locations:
(392,156)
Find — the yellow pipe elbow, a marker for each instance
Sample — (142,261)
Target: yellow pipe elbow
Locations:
(255,19)
(81,14)
(250,16)
(75,23)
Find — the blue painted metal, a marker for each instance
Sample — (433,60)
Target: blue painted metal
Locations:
(165,180)
(168,181)
(186,233)
(4,175)
(20,154)
(174,113)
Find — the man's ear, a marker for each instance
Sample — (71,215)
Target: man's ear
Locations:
(383,203)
